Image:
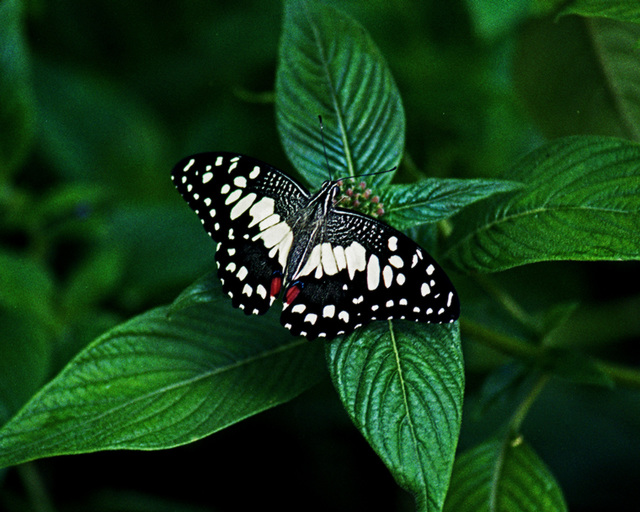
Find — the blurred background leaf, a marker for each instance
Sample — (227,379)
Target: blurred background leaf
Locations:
(17,108)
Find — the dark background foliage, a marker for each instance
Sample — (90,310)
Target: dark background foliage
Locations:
(109,95)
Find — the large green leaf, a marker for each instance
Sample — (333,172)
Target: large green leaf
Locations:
(497,476)
(435,199)
(329,66)
(402,384)
(17,105)
(581,201)
(165,378)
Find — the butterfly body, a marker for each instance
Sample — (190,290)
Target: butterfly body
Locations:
(336,269)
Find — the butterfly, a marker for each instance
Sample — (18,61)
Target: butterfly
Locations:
(336,269)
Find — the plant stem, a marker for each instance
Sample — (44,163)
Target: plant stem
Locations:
(508,302)
(626,376)
(522,410)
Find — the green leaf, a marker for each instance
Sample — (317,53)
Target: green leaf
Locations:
(329,66)
(621,10)
(581,202)
(497,476)
(163,379)
(402,384)
(433,200)
(17,108)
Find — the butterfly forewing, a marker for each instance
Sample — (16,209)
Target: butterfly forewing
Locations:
(341,269)
(247,207)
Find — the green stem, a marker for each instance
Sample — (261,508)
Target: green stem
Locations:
(521,412)
(508,302)
(512,436)
(621,375)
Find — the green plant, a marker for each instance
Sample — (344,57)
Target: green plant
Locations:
(177,373)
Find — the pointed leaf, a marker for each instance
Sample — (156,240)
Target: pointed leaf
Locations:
(581,202)
(402,384)
(329,66)
(163,379)
(497,476)
(433,200)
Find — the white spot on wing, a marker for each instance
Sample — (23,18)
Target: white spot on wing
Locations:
(242,206)
(356,256)
(430,269)
(262,291)
(247,290)
(311,318)
(329,311)
(373,272)
(393,243)
(283,248)
(387,276)
(396,261)
(242,273)
(341,260)
(425,290)
(298,308)
(240,181)
(273,235)
(254,173)
(188,166)
(271,220)
(312,262)
(233,197)
(328,259)
(344,316)
(261,210)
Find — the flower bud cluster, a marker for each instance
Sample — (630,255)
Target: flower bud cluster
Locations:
(356,196)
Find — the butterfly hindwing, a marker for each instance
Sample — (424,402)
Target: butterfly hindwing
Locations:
(247,206)
(365,270)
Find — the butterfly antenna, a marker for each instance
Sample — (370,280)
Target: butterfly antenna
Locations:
(375,173)
(324,147)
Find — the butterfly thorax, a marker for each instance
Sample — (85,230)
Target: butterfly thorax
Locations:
(309,227)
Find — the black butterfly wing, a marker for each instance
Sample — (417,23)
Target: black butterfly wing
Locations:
(364,270)
(246,206)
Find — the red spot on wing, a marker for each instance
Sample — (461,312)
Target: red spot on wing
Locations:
(276,285)
(291,293)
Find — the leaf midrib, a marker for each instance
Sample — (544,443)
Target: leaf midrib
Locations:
(165,389)
(334,96)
